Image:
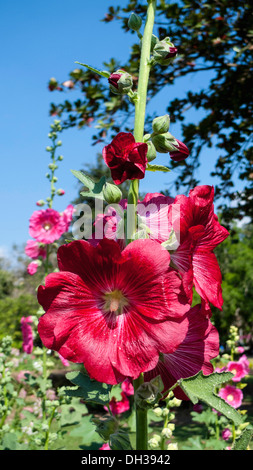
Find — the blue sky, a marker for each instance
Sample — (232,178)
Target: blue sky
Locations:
(42,40)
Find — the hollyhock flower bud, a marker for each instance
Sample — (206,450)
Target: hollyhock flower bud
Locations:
(134,22)
(52,84)
(151,155)
(60,192)
(69,84)
(112,193)
(147,395)
(181,153)
(161,124)
(34,249)
(126,158)
(105,426)
(120,82)
(164,143)
(40,203)
(164,51)
(226,434)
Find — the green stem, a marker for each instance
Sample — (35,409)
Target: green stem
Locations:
(141,417)
(140,109)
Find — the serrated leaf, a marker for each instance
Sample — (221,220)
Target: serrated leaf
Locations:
(157,168)
(95,189)
(201,387)
(88,389)
(103,73)
(243,441)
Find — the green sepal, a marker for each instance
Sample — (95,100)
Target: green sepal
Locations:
(157,168)
(88,389)
(201,387)
(103,73)
(120,441)
(95,189)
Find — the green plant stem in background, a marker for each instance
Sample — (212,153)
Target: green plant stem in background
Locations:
(140,109)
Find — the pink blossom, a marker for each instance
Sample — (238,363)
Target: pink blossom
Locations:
(121,406)
(127,387)
(226,434)
(67,215)
(232,395)
(34,249)
(244,361)
(32,268)
(22,375)
(47,225)
(237,369)
(27,334)
(105,447)
(69,84)
(240,349)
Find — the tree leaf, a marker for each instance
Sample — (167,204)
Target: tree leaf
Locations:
(157,168)
(103,73)
(88,389)
(95,189)
(201,387)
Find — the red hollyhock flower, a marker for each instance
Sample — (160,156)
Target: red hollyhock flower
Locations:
(200,345)
(114,311)
(126,158)
(200,232)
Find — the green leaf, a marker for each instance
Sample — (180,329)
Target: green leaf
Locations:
(89,390)
(157,168)
(120,441)
(103,73)
(201,387)
(243,441)
(95,189)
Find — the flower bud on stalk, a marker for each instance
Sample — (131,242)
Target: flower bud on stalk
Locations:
(164,51)
(151,155)
(134,22)
(164,143)
(161,124)
(112,193)
(120,82)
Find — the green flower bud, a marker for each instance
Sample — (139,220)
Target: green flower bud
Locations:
(112,193)
(172,446)
(134,22)
(60,158)
(154,441)
(120,82)
(166,432)
(120,441)
(164,143)
(105,426)
(164,51)
(151,154)
(158,411)
(161,124)
(147,395)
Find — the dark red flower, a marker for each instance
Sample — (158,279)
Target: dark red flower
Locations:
(113,311)
(126,158)
(181,153)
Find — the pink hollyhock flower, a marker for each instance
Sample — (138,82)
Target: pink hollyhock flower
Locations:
(226,434)
(245,362)
(22,375)
(237,369)
(118,407)
(34,249)
(181,153)
(105,447)
(27,334)
(67,215)
(126,158)
(194,353)
(240,349)
(127,387)
(114,311)
(47,225)
(232,395)
(32,268)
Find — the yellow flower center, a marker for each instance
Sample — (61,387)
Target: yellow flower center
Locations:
(115,302)
(47,226)
(230,397)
